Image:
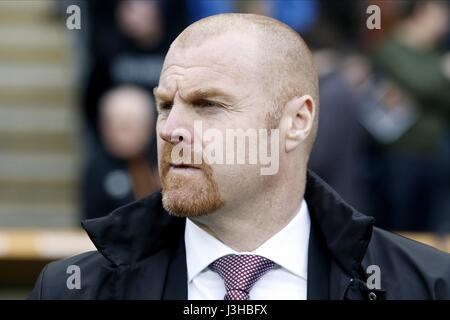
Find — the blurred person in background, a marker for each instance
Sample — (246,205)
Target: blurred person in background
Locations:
(416,179)
(125,169)
(339,156)
(128,40)
(386,163)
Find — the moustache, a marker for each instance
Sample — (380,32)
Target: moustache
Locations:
(179,161)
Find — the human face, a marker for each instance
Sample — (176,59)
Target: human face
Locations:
(126,123)
(218,84)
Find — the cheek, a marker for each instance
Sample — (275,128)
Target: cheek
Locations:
(159,124)
(159,146)
(235,181)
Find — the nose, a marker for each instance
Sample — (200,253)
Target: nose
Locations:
(177,127)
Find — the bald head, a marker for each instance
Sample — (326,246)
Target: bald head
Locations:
(284,62)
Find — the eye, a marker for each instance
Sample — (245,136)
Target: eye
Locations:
(206,104)
(165,106)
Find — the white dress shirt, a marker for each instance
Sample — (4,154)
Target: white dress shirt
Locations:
(288,249)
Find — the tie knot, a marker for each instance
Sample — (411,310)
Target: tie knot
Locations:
(240,272)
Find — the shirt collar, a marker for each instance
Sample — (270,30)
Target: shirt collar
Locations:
(202,248)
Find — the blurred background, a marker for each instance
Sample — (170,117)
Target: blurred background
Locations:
(77,114)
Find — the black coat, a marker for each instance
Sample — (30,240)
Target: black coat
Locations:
(141,255)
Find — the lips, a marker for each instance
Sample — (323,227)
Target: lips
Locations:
(183,166)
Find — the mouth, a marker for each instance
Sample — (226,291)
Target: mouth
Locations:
(183,166)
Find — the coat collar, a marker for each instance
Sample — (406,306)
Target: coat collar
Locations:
(141,229)
(134,232)
(346,231)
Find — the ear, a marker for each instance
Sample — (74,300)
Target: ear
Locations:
(298,120)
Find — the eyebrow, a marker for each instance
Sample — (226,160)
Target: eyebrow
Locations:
(198,94)
(205,93)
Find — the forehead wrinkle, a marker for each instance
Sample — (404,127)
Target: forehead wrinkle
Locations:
(216,57)
(180,65)
(222,72)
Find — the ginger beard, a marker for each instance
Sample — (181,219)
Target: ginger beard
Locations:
(188,194)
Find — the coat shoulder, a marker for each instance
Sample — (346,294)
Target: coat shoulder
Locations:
(76,277)
(409,269)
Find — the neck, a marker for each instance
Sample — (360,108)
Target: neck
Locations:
(247,227)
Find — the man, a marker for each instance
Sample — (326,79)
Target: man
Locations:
(234,231)
(411,59)
(125,167)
